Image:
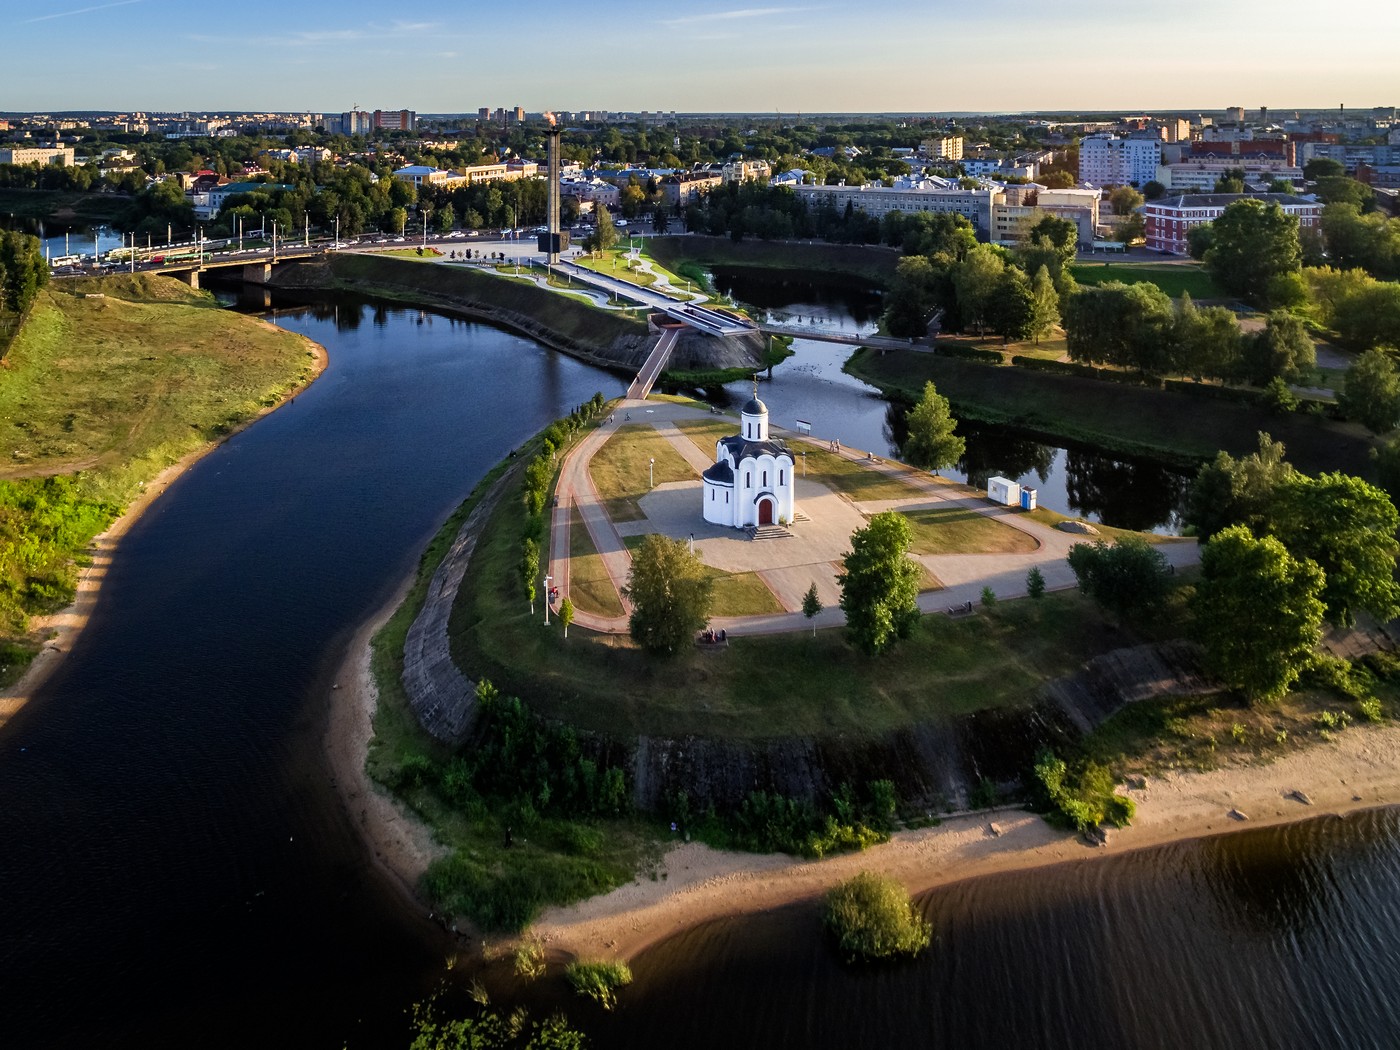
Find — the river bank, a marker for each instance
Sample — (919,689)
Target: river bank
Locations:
(1359,769)
(61,629)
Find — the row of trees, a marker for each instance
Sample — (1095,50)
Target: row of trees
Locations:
(1137,326)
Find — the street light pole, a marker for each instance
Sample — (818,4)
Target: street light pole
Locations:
(544,586)
(651,473)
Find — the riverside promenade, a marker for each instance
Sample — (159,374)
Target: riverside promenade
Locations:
(812,551)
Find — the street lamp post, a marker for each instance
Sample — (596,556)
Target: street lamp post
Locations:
(651,473)
(544,586)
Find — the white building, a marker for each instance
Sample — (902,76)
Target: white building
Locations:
(1108,161)
(751,482)
(61,156)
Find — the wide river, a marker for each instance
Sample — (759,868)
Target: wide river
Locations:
(177,868)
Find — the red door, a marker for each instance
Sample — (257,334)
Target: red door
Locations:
(765,511)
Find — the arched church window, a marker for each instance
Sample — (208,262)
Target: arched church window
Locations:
(765,479)
(748,479)
(780,479)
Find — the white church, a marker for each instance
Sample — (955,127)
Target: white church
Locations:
(751,482)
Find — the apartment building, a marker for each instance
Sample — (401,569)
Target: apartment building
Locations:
(1108,161)
(877,200)
(1170,219)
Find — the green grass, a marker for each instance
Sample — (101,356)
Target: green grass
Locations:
(761,686)
(1173,278)
(735,593)
(590,587)
(852,478)
(621,470)
(1052,518)
(703,433)
(957,530)
(613,263)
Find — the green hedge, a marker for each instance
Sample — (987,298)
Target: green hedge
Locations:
(1073,368)
(971,353)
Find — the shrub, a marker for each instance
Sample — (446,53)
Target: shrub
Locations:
(1084,800)
(1370,709)
(599,981)
(529,959)
(989,597)
(1035,582)
(872,917)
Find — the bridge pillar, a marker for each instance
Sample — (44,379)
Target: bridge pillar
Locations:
(257,273)
(189,277)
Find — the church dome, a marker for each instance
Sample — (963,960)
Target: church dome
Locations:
(754,407)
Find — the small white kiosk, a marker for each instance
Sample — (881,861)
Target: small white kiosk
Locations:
(1004,491)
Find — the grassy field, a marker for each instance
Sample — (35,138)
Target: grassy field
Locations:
(99,395)
(620,469)
(1172,278)
(128,383)
(760,687)
(590,587)
(957,530)
(851,478)
(1125,419)
(614,263)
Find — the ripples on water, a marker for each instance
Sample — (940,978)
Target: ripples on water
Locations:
(1274,938)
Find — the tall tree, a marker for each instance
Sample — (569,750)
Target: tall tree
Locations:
(1045,305)
(1229,491)
(1257,612)
(1371,392)
(931,443)
(670,595)
(1254,243)
(912,297)
(1120,324)
(1126,578)
(1347,526)
(1012,306)
(1207,340)
(1282,349)
(976,281)
(880,584)
(811,606)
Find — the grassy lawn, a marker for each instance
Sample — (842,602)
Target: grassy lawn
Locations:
(851,478)
(735,593)
(590,587)
(957,530)
(761,686)
(614,263)
(620,469)
(130,382)
(703,433)
(1172,278)
(690,254)
(414,254)
(1052,518)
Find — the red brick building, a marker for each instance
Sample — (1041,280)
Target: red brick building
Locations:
(1167,221)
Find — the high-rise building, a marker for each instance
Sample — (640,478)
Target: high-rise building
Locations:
(948,148)
(1108,161)
(1236,114)
(395,119)
(483,115)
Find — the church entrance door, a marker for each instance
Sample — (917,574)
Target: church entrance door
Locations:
(765,510)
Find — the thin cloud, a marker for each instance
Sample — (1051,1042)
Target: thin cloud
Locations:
(735,15)
(81,11)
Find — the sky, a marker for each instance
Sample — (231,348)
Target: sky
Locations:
(901,56)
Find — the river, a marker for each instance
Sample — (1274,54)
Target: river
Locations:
(176,866)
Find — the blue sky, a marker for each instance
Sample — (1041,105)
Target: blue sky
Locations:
(896,55)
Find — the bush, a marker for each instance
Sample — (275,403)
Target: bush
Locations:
(599,981)
(1082,801)
(1072,368)
(872,917)
(969,353)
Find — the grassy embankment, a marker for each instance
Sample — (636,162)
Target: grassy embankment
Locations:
(690,256)
(101,394)
(552,858)
(1126,419)
(565,322)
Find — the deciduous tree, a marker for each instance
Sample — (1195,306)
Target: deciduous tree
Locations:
(1254,242)
(880,584)
(931,442)
(1257,612)
(1126,578)
(670,595)
(1371,392)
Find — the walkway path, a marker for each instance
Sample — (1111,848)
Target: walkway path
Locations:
(812,554)
(654,364)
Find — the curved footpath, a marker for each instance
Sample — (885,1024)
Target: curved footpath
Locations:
(963,576)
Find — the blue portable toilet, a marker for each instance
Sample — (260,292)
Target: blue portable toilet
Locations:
(1028,499)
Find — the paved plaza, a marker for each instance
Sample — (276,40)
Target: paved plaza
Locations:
(816,541)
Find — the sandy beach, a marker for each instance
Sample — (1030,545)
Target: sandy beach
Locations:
(1359,769)
(61,629)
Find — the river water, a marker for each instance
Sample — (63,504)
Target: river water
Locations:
(176,867)
(810,387)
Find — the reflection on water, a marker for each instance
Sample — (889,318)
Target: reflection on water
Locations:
(1268,938)
(811,388)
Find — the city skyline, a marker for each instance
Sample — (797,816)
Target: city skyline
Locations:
(780,57)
